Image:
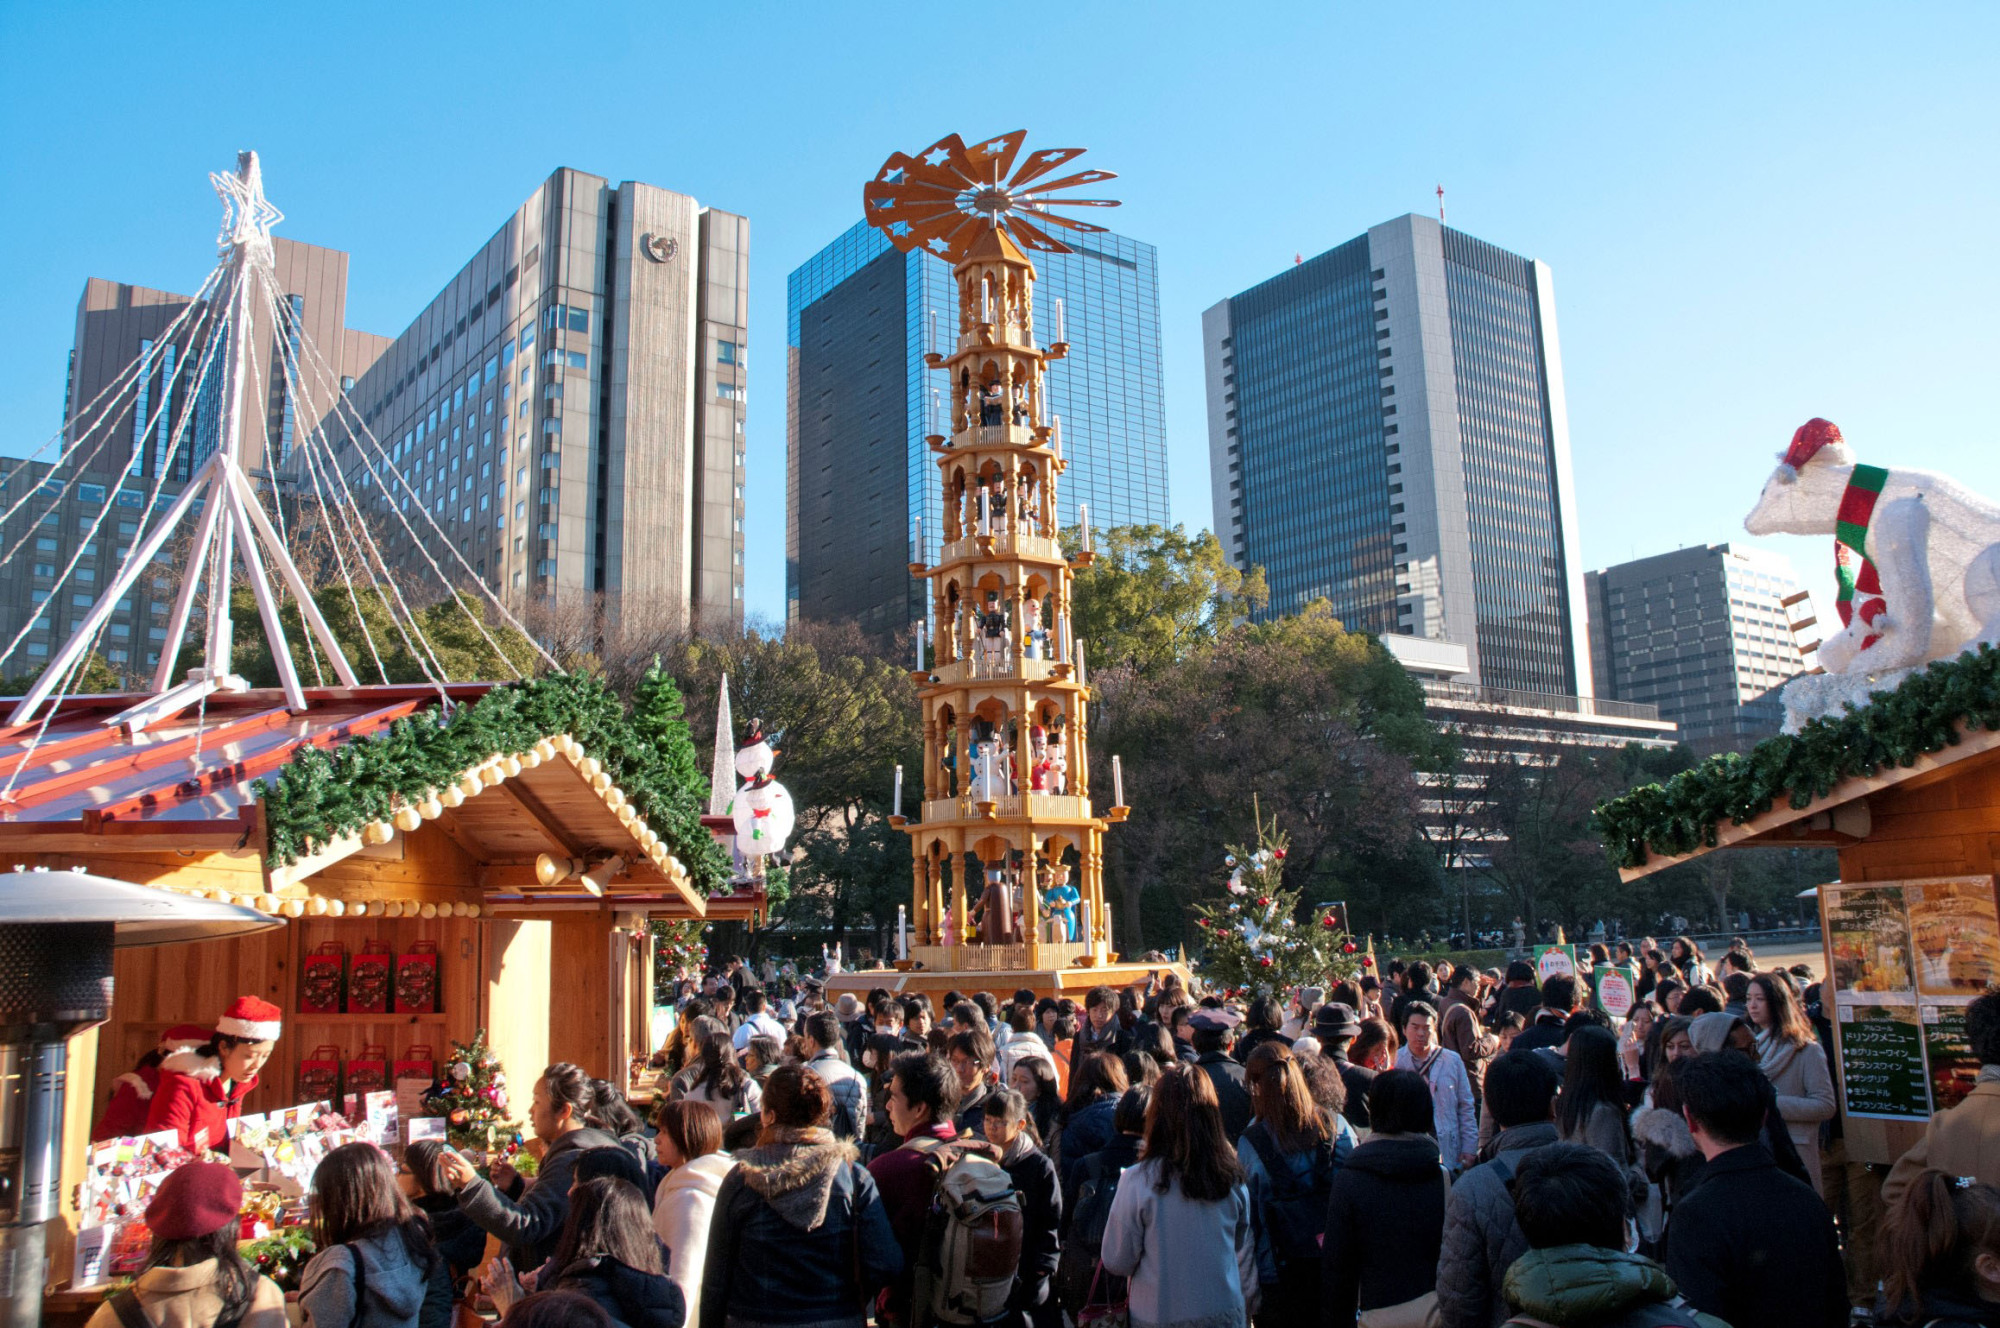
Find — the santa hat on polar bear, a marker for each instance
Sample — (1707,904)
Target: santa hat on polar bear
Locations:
(1816,440)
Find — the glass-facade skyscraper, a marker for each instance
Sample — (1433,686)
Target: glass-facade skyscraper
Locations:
(860,403)
(1387,432)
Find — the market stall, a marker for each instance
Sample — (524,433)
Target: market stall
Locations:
(440,874)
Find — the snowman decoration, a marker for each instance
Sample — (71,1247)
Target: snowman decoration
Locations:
(761,810)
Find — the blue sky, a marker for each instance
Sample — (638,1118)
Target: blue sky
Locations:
(1754,213)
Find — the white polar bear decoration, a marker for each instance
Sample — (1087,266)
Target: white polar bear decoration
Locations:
(1925,580)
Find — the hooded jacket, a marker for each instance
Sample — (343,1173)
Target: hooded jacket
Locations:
(1667,1152)
(632,1297)
(1481,1238)
(683,1208)
(192,1099)
(396,1291)
(1600,1288)
(1384,1226)
(798,1236)
(530,1225)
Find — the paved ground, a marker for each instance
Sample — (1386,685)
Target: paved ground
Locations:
(1808,952)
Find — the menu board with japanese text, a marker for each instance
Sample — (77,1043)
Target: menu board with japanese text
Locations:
(1907,958)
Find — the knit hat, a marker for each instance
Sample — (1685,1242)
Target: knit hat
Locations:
(184,1037)
(198,1199)
(251,1018)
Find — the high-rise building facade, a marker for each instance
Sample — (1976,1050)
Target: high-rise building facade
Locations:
(1708,634)
(570,406)
(1387,431)
(140,413)
(120,325)
(861,403)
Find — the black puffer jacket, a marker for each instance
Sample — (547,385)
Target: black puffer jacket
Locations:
(1384,1226)
(633,1298)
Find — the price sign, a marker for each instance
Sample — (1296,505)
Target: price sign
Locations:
(1882,1063)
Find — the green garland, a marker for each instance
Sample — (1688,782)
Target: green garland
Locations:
(323,794)
(1921,716)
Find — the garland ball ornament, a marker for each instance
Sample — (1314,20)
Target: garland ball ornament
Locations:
(510,766)
(408,818)
(452,796)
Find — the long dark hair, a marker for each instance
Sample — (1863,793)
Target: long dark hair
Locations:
(608,1218)
(1590,1077)
(1788,1017)
(720,1074)
(355,1197)
(235,1283)
(1184,1135)
(1101,1075)
(1282,1100)
(1047,1100)
(610,1112)
(1938,1228)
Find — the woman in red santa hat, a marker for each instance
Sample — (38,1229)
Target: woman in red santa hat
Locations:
(132,1092)
(202,1090)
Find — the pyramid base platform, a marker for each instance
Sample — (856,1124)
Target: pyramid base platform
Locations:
(1002,982)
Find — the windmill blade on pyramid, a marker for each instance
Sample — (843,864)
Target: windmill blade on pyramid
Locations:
(945,198)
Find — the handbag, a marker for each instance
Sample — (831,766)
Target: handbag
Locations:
(1419,1313)
(1117,1314)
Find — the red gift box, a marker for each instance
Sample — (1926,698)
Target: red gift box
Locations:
(322,978)
(368,1072)
(368,979)
(417,978)
(419,1062)
(319,1075)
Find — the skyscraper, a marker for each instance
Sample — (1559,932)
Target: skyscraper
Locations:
(138,414)
(570,406)
(1707,634)
(861,402)
(1387,431)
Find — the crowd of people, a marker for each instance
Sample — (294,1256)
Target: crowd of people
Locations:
(1433,1146)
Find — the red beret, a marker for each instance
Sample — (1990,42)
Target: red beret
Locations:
(198,1200)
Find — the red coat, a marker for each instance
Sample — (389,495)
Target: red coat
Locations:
(131,1098)
(191,1099)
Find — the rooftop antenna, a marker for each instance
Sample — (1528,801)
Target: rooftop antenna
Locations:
(1440,205)
(232,523)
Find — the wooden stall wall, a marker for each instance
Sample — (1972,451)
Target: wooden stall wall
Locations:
(1947,824)
(519,997)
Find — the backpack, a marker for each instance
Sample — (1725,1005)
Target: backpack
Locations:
(1294,1209)
(1076,1265)
(971,1247)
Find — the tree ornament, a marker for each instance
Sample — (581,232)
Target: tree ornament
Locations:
(461,1072)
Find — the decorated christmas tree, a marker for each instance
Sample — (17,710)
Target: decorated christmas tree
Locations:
(1253,936)
(472,1097)
(677,950)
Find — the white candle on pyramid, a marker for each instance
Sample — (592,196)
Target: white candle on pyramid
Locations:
(1117,782)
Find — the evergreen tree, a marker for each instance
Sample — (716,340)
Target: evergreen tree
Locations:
(1253,936)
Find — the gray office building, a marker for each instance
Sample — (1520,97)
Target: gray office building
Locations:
(570,406)
(860,403)
(130,430)
(1708,634)
(1387,432)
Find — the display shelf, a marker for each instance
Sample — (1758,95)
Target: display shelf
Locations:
(392,1017)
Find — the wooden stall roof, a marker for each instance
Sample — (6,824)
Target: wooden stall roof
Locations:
(74,784)
(1842,817)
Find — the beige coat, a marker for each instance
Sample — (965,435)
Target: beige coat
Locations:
(1963,1141)
(185,1298)
(1805,1094)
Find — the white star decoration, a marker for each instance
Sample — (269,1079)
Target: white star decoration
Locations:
(247,216)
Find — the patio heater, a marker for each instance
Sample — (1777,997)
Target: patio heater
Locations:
(57,932)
